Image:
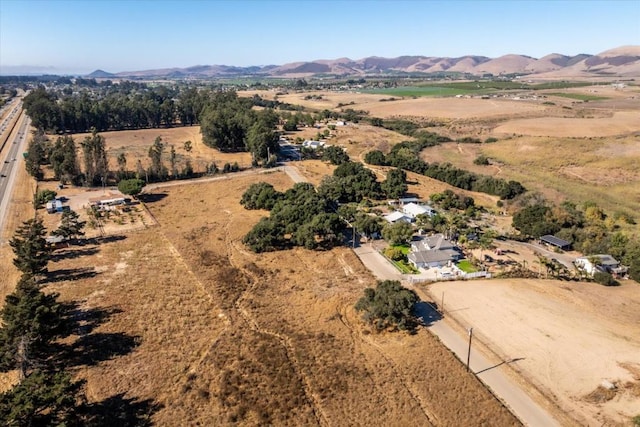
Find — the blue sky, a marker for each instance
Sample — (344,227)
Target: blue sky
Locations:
(81,36)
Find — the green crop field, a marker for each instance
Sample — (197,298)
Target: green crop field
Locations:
(415,91)
(579,96)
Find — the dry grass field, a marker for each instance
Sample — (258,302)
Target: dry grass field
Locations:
(186,327)
(191,329)
(604,170)
(135,144)
(567,339)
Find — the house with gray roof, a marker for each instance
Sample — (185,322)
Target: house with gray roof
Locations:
(434,251)
(601,262)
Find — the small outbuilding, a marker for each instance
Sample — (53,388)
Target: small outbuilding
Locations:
(548,239)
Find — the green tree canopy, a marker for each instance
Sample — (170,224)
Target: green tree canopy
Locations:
(70,225)
(41,399)
(397,233)
(30,247)
(30,321)
(131,187)
(260,196)
(375,157)
(535,221)
(396,184)
(334,154)
(389,304)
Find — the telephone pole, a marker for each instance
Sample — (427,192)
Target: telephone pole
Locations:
(469,350)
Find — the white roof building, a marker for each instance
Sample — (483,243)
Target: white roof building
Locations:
(397,216)
(413,210)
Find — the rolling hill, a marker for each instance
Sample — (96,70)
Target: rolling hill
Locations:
(619,62)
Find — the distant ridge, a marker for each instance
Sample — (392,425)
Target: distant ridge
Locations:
(623,61)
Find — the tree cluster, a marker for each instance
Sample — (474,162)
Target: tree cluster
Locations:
(228,123)
(127,105)
(299,217)
(388,305)
(588,228)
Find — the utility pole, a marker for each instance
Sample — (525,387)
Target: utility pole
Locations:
(353,230)
(469,350)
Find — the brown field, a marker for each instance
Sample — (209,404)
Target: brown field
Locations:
(568,337)
(193,329)
(620,123)
(604,170)
(135,144)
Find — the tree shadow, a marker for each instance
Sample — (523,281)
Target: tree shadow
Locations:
(120,411)
(427,313)
(71,253)
(103,239)
(151,197)
(70,274)
(91,349)
(83,321)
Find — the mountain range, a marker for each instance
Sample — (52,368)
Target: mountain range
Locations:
(619,62)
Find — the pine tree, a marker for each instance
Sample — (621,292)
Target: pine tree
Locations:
(30,247)
(30,319)
(71,225)
(42,399)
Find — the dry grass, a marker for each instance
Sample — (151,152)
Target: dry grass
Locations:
(135,144)
(199,331)
(596,169)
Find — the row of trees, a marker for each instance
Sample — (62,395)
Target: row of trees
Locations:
(63,158)
(92,168)
(31,322)
(123,106)
(406,156)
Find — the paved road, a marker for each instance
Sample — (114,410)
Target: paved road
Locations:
(12,159)
(494,377)
(519,402)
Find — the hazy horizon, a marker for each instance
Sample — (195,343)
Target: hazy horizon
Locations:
(71,37)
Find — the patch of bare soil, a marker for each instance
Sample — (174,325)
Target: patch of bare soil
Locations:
(622,123)
(196,330)
(568,343)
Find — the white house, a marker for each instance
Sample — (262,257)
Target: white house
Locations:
(594,263)
(396,216)
(313,144)
(434,251)
(414,209)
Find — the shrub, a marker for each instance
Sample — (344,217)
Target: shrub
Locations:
(490,140)
(481,160)
(605,279)
(394,254)
(42,197)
